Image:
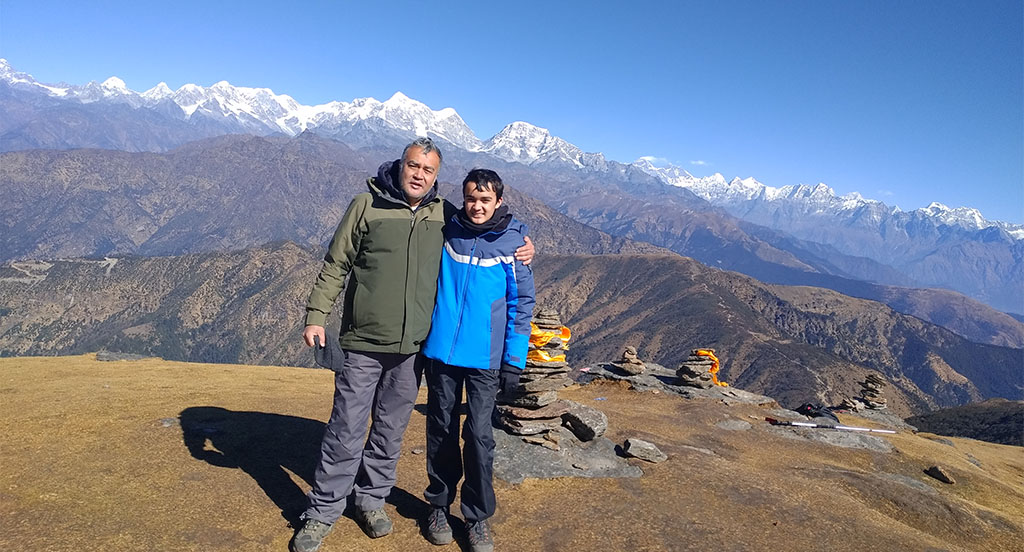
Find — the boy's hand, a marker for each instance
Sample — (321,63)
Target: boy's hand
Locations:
(508,379)
(525,252)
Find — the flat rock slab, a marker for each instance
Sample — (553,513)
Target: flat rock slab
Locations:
(544,384)
(514,460)
(657,377)
(529,426)
(553,410)
(883,417)
(533,400)
(734,425)
(838,437)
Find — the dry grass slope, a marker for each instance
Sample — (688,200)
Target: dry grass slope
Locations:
(156,455)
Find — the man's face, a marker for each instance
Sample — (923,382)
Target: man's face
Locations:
(419,171)
(479,205)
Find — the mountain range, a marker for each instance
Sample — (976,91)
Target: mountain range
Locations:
(129,224)
(859,239)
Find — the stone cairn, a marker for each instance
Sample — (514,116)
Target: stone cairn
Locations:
(630,362)
(535,412)
(699,370)
(870,395)
(871,392)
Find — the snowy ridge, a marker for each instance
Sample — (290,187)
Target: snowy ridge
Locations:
(261,111)
(521,142)
(819,200)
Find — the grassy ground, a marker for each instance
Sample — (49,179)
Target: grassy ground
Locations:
(94,457)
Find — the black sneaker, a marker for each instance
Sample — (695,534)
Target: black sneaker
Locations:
(480,539)
(436,527)
(310,537)
(375,523)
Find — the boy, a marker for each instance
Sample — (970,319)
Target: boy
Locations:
(478,339)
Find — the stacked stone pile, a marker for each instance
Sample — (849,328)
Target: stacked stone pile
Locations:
(871,392)
(535,412)
(630,362)
(870,395)
(695,371)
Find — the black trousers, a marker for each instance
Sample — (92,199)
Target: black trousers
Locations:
(445,461)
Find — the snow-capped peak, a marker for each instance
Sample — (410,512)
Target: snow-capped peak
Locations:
(399,98)
(967,217)
(116,84)
(158,92)
(522,142)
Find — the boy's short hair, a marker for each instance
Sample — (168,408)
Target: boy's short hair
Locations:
(484,179)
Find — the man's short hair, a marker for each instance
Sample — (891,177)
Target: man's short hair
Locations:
(425,144)
(484,179)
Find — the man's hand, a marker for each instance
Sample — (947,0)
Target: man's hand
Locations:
(525,252)
(314,331)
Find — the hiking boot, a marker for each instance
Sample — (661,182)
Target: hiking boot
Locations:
(309,538)
(375,523)
(480,539)
(436,528)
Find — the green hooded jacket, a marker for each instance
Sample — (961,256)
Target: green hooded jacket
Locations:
(392,254)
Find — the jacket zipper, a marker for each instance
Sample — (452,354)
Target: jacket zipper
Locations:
(408,253)
(462,301)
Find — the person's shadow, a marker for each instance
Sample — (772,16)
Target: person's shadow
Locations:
(268,446)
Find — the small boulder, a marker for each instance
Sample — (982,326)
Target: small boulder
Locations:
(643,450)
(940,474)
(585,422)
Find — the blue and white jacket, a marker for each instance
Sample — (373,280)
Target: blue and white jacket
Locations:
(484,299)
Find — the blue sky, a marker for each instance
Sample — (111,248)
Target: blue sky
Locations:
(905,101)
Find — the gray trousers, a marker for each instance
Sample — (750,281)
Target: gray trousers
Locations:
(383,385)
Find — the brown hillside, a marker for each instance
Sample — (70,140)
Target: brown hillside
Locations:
(95,458)
(796,344)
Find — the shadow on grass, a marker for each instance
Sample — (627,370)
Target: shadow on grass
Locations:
(267,447)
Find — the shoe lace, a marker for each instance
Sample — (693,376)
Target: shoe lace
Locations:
(375,515)
(315,528)
(438,521)
(479,532)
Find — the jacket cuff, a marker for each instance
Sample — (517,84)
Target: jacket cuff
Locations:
(505,367)
(315,318)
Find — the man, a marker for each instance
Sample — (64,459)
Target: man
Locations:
(389,244)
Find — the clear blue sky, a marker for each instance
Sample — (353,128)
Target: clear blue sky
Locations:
(904,101)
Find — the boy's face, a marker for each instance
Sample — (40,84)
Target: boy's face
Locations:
(479,205)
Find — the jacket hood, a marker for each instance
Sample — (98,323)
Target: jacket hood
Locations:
(387,184)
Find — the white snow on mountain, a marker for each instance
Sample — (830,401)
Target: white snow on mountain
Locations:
(814,200)
(261,111)
(24,80)
(521,142)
